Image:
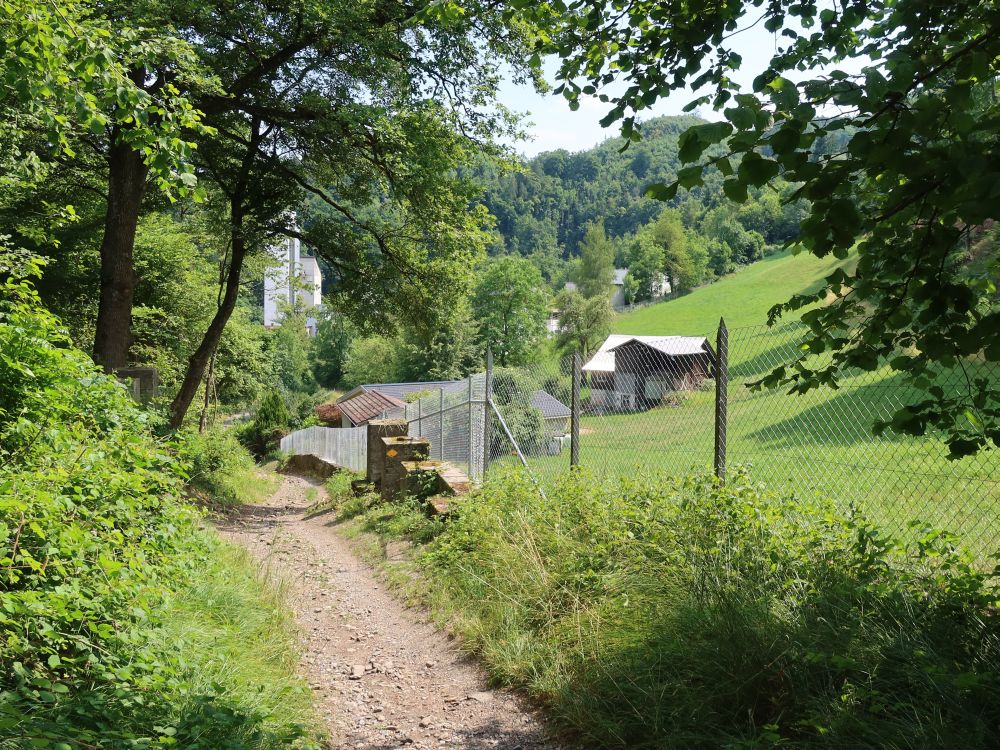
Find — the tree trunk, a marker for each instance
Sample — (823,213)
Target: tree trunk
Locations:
(198,362)
(126,186)
(203,422)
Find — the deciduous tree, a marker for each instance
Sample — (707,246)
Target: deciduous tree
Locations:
(913,85)
(510,303)
(377,147)
(583,323)
(596,271)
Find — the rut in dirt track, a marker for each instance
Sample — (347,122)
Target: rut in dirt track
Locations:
(382,676)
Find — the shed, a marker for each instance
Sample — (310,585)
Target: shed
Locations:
(555,413)
(357,409)
(639,372)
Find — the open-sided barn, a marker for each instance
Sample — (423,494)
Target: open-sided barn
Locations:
(638,372)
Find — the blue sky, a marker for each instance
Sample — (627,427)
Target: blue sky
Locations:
(553,125)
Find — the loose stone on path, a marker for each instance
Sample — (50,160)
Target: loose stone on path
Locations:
(382,676)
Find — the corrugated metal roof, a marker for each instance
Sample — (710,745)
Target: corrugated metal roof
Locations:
(402,390)
(549,405)
(604,358)
(367,405)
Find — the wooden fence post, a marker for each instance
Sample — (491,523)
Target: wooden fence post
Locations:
(721,398)
(574,428)
(487,399)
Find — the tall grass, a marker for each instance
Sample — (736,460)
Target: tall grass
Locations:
(674,614)
(237,638)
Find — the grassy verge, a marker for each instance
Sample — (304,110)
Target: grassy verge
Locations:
(223,473)
(238,640)
(123,622)
(672,613)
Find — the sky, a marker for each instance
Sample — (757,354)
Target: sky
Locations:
(551,124)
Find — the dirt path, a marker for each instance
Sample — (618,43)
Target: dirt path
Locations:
(382,676)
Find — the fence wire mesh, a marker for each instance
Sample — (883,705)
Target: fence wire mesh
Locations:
(452,418)
(648,406)
(530,417)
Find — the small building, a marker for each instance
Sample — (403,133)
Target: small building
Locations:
(390,397)
(555,414)
(359,406)
(408,391)
(634,373)
(661,288)
(618,288)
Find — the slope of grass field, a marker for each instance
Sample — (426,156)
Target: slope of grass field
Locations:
(743,298)
(820,443)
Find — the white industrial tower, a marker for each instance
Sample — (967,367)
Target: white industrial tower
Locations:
(291,280)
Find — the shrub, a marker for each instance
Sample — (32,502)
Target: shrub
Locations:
(677,613)
(512,392)
(271,422)
(96,545)
(302,409)
(221,469)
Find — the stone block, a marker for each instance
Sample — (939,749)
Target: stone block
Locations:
(396,451)
(378,430)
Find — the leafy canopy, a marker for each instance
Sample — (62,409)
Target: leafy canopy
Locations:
(69,75)
(510,303)
(918,174)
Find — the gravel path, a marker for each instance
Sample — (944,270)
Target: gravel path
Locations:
(382,676)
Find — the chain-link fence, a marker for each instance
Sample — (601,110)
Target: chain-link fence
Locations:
(647,405)
(452,419)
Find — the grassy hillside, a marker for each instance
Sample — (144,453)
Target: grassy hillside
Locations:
(820,443)
(743,298)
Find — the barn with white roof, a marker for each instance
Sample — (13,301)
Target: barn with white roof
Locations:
(638,372)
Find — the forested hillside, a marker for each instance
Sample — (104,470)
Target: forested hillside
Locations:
(544,210)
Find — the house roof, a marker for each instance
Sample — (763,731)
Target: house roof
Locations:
(367,405)
(402,390)
(604,358)
(550,406)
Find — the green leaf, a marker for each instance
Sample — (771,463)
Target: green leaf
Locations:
(661,192)
(756,170)
(689,177)
(735,190)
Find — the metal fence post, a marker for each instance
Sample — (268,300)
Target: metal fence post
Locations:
(420,418)
(721,398)
(441,424)
(487,398)
(574,428)
(472,434)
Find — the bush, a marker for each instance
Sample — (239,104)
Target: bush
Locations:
(96,548)
(221,469)
(513,391)
(262,434)
(680,614)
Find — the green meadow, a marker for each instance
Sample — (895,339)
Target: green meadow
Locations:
(743,298)
(817,444)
